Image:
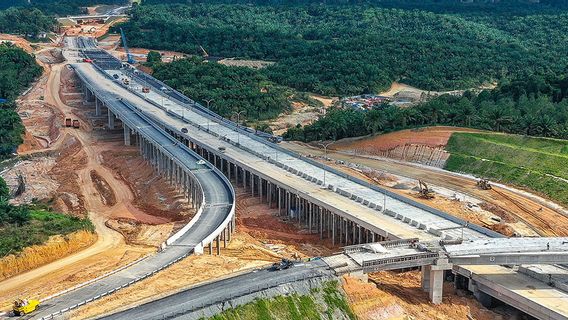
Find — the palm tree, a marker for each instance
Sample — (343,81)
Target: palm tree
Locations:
(374,121)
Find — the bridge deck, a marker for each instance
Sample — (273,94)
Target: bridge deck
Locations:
(411,221)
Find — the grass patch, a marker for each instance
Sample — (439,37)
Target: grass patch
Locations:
(293,307)
(538,164)
(35,226)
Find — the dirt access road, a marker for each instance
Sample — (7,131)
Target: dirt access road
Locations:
(110,250)
(545,221)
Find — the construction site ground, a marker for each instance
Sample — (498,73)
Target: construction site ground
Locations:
(407,92)
(262,237)
(519,213)
(392,295)
(61,172)
(421,145)
(301,113)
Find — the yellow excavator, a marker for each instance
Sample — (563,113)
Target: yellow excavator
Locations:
(24,306)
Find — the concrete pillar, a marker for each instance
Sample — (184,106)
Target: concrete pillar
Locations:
(287,205)
(225,232)
(97,107)
(321,222)
(127,141)
(260,189)
(425,277)
(269,195)
(111,119)
(436,285)
(218,240)
(333,229)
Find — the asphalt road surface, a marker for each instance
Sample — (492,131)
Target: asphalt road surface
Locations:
(176,305)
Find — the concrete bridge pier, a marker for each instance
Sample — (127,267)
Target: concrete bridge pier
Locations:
(127,135)
(111,120)
(97,107)
(432,279)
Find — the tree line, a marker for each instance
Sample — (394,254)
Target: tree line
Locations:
(58,7)
(361,48)
(535,106)
(28,22)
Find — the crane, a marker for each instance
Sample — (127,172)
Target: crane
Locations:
(129,58)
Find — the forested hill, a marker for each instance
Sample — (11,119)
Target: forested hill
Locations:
(58,7)
(361,48)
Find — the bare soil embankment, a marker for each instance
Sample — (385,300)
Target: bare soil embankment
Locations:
(56,247)
(391,295)
(422,145)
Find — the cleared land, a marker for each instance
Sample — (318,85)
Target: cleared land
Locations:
(422,145)
(461,191)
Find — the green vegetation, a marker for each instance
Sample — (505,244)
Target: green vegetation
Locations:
(29,22)
(229,89)
(359,48)
(538,164)
(292,307)
(59,7)
(534,106)
(153,57)
(4,191)
(17,70)
(22,226)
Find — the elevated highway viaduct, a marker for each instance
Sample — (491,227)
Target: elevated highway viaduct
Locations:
(328,202)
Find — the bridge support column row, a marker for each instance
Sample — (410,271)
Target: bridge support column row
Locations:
(179,177)
(315,218)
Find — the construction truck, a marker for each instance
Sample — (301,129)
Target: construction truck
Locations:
(483,184)
(424,191)
(68,122)
(24,306)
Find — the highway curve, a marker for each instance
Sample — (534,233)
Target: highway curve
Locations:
(218,204)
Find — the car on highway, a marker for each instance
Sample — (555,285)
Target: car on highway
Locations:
(184,130)
(201,162)
(282,265)
(24,306)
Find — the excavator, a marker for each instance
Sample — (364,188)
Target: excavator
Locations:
(424,192)
(483,184)
(24,306)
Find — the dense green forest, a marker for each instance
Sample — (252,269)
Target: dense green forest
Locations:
(58,7)
(534,106)
(25,21)
(230,89)
(342,50)
(17,70)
